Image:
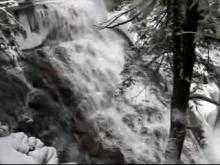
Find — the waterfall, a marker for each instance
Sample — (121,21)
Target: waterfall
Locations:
(71,70)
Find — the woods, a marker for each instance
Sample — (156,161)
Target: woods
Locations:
(188,23)
(104,86)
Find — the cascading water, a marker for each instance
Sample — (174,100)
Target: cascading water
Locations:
(91,61)
(70,71)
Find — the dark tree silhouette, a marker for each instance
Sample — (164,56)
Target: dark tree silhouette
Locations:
(184,15)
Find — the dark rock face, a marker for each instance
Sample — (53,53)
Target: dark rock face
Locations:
(55,105)
(42,102)
(63,92)
(12,94)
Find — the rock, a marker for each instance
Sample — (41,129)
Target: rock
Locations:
(64,82)
(12,94)
(41,102)
(112,156)
(5,59)
(129,120)
(17,145)
(8,3)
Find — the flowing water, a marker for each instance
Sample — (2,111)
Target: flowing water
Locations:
(71,70)
(92,60)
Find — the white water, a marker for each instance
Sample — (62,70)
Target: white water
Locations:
(95,60)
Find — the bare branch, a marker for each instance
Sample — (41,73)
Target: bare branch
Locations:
(112,20)
(146,9)
(124,22)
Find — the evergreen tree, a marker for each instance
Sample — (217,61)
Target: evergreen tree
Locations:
(169,32)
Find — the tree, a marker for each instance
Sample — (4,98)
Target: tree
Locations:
(179,26)
(184,15)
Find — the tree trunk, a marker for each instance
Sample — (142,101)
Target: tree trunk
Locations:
(184,19)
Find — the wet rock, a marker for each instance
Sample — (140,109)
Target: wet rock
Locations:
(61,54)
(62,107)
(5,59)
(12,94)
(129,120)
(158,133)
(112,156)
(41,102)
(145,131)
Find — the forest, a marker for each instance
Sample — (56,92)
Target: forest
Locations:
(109,81)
